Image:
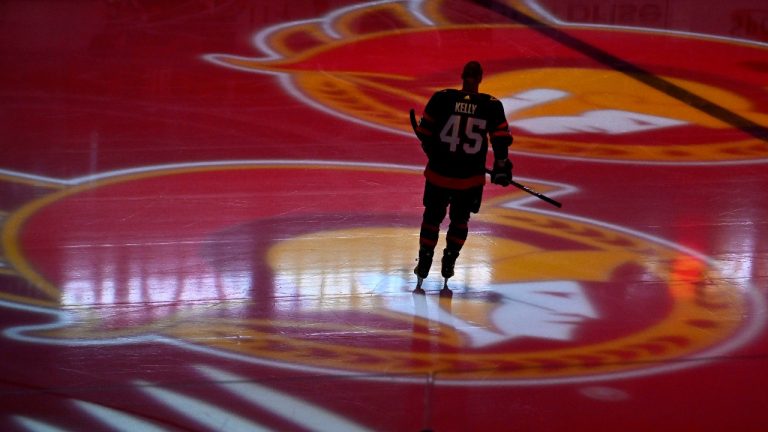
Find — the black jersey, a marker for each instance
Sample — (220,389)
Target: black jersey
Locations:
(455,128)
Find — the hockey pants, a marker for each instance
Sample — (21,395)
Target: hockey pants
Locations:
(458,204)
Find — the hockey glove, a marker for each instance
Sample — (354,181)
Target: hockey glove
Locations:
(502,172)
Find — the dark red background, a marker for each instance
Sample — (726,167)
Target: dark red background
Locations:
(90,87)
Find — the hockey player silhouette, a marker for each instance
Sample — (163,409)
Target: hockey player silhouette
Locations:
(454,132)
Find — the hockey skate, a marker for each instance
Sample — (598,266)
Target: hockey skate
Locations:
(422,268)
(449,261)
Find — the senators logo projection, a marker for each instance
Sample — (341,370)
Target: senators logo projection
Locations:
(290,283)
(559,102)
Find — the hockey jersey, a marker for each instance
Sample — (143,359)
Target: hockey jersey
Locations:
(454,130)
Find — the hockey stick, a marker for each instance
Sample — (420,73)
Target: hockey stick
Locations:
(414,125)
(522,187)
(538,195)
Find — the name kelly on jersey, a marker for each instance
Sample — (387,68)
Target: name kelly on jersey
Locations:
(466,108)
